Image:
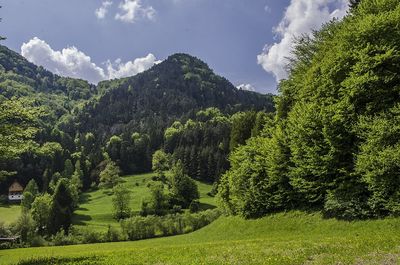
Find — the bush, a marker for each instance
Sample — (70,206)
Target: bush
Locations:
(139,227)
(113,235)
(61,239)
(194,206)
(90,236)
(38,241)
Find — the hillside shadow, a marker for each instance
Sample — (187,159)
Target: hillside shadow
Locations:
(80,219)
(206,206)
(84,198)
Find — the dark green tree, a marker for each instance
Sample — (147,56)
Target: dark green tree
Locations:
(183,189)
(61,208)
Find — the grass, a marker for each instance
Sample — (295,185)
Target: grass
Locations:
(9,213)
(96,208)
(285,238)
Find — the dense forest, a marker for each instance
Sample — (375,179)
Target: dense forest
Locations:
(334,143)
(53,127)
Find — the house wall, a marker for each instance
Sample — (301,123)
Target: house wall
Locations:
(15,196)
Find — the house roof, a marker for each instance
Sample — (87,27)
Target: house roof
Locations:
(16,187)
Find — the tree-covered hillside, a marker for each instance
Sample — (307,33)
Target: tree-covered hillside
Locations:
(130,115)
(77,126)
(335,143)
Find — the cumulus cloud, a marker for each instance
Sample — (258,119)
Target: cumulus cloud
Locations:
(119,69)
(246,87)
(74,63)
(301,17)
(131,10)
(102,10)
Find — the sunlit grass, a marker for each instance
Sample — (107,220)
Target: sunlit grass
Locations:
(286,238)
(9,213)
(96,208)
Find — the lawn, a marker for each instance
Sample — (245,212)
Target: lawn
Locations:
(95,210)
(9,213)
(285,238)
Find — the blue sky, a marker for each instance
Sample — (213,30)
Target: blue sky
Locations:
(244,41)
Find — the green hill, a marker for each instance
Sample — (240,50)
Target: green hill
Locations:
(285,238)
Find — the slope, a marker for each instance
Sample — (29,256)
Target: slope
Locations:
(286,238)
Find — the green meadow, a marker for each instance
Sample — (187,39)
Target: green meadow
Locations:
(9,213)
(95,209)
(284,238)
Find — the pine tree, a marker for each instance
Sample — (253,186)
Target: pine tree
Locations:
(354,3)
(32,187)
(68,169)
(61,208)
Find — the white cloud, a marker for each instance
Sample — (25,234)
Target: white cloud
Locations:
(119,69)
(246,87)
(301,17)
(102,10)
(267,9)
(73,63)
(131,10)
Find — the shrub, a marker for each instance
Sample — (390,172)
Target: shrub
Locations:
(139,227)
(194,206)
(91,236)
(61,239)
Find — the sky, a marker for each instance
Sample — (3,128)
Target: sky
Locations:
(246,41)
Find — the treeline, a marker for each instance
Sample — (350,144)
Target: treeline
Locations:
(334,145)
(203,144)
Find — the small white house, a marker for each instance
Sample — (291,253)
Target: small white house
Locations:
(15,192)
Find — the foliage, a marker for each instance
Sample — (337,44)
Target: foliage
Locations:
(40,212)
(183,189)
(27,200)
(161,162)
(61,208)
(139,227)
(158,204)
(32,187)
(121,201)
(25,227)
(333,144)
(109,177)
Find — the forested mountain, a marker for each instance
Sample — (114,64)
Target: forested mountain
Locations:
(335,144)
(173,90)
(122,120)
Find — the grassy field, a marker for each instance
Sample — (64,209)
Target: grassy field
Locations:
(286,238)
(9,213)
(95,211)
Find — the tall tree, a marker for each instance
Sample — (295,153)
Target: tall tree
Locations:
(121,202)
(61,208)
(109,177)
(184,189)
(40,211)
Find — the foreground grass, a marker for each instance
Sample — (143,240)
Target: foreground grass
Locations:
(95,210)
(291,238)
